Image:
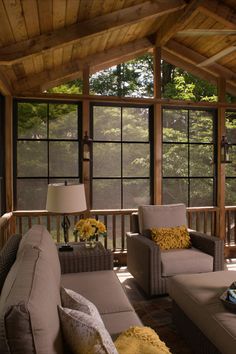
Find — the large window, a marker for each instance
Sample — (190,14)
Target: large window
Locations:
(2,159)
(188,157)
(47,149)
(121,171)
(230,169)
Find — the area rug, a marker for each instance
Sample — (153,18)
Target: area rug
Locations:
(154,312)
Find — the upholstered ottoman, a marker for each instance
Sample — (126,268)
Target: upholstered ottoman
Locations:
(199,313)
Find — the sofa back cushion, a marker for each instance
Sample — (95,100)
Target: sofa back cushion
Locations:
(29,321)
(151,216)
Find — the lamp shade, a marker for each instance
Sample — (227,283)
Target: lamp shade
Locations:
(66,199)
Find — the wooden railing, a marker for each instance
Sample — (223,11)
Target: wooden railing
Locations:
(7,228)
(230,221)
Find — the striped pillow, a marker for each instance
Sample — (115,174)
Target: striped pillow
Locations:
(8,256)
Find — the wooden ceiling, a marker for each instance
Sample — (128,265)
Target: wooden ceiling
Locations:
(44,43)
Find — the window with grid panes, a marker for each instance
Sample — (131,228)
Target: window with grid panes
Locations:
(2,157)
(230,168)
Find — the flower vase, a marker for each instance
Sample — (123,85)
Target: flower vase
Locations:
(90,243)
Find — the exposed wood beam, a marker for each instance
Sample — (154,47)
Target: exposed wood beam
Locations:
(219,12)
(87,29)
(195,58)
(175,22)
(218,56)
(181,62)
(73,70)
(5,85)
(206,32)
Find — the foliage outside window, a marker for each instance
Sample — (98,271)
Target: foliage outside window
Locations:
(230,169)
(47,146)
(121,157)
(188,157)
(2,160)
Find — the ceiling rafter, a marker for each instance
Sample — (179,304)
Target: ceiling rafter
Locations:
(203,32)
(87,29)
(73,70)
(176,22)
(218,56)
(219,12)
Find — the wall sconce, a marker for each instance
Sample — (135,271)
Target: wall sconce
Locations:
(87,145)
(225,150)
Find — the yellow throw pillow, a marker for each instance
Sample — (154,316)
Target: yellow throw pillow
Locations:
(171,237)
(140,340)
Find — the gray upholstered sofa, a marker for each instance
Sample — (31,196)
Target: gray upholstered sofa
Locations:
(150,266)
(29,320)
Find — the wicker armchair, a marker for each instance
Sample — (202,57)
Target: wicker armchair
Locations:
(150,266)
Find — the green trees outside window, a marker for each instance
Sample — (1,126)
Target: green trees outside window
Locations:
(2,149)
(230,169)
(47,145)
(121,157)
(188,168)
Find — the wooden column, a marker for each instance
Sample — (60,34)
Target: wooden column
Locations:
(86,128)
(221,166)
(157,128)
(9,152)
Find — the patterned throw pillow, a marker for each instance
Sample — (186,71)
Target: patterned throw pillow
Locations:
(171,237)
(140,340)
(8,257)
(74,301)
(84,334)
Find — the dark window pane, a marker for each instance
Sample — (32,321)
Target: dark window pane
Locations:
(230,168)
(175,160)
(175,191)
(201,160)
(230,191)
(32,120)
(135,193)
(135,124)
(31,194)
(231,126)
(136,160)
(201,192)
(106,123)
(200,126)
(175,126)
(31,158)
(106,194)
(63,121)
(63,159)
(106,160)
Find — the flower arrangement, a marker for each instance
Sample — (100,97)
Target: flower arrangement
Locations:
(89,229)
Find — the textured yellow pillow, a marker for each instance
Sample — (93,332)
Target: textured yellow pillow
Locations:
(140,340)
(171,237)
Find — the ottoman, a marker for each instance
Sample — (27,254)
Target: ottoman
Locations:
(200,315)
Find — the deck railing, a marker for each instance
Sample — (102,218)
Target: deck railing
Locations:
(117,221)
(230,221)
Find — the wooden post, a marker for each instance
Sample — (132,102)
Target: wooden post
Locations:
(9,153)
(86,128)
(221,166)
(157,128)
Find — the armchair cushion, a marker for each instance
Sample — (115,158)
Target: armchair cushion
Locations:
(171,237)
(160,216)
(185,261)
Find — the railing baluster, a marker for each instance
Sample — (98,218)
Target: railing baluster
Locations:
(122,232)
(205,221)
(105,223)
(114,232)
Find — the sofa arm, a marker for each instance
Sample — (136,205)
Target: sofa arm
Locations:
(143,261)
(210,245)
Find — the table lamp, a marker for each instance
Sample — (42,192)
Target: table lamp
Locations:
(66,199)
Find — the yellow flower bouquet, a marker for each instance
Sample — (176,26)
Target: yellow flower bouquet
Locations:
(89,230)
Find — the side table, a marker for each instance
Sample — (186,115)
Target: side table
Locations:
(83,259)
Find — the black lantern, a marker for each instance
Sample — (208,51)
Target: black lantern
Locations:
(225,150)
(87,145)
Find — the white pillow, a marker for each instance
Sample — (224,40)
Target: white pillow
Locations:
(84,334)
(74,301)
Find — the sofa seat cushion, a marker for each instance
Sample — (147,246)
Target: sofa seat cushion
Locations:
(198,296)
(102,288)
(29,317)
(182,261)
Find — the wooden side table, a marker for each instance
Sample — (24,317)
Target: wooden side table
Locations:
(83,259)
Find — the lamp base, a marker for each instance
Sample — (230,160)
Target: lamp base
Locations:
(65,248)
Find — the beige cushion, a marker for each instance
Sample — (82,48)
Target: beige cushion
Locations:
(160,216)
(28,304)
(183,261)
(84,334)
(198,296)
(118,322)
(99,287)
